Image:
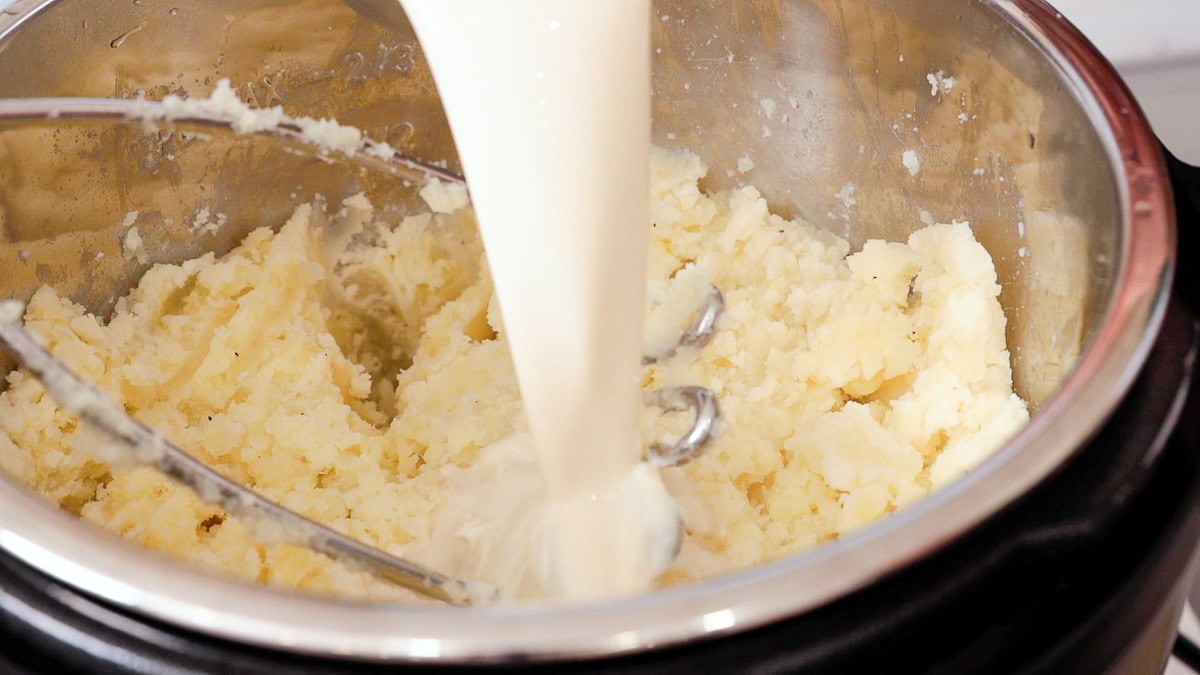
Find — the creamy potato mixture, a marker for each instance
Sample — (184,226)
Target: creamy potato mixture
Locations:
(348,368)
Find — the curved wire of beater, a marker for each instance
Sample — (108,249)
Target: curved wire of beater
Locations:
(292,130)
(149,447)
(702,402)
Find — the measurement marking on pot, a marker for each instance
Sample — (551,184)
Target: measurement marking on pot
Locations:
(120,39)
(265,93)
(357,66)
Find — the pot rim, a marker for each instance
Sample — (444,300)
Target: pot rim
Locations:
(96,563)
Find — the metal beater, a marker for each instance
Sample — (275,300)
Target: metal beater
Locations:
(148,447)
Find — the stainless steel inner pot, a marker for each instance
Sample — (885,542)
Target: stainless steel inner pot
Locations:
(1038,145)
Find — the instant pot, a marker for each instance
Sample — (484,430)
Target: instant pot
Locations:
(1070,550)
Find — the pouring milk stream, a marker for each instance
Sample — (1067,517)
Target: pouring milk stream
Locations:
(549,103)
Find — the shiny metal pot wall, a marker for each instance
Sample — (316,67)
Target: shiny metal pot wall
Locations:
(1036,143)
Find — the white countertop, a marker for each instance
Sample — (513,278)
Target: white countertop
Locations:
(1155,45)
(1190,627)
(1139,33)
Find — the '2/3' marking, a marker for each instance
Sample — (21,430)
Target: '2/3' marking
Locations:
(387,59)
(354,67)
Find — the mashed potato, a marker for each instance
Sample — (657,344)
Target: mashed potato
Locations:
(344,367)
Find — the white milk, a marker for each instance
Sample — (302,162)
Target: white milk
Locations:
(549,103)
